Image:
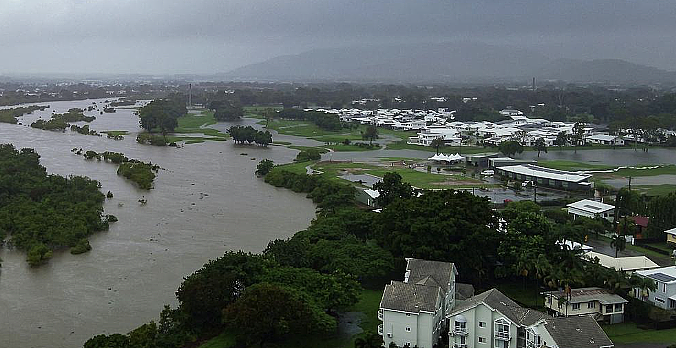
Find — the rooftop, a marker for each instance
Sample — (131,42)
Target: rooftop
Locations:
(591,206)
(630,263)
(429,273)
(409,297)
(577,332)
(671,231)
(503,304)
(665,274)
(542,172)
(589,294)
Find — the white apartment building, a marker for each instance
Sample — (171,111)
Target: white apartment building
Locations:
(413,312)
(491,319)
(665,295)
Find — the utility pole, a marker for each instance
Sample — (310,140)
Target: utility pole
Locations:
(629,183)
(190,95)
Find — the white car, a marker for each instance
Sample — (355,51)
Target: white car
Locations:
(488,172)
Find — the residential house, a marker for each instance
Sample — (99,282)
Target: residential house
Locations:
(605,139)
(600,304)
(627,264)
(665,280)
(671,235)
(591,209)
(413,311)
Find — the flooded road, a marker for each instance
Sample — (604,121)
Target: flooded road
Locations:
(206,201)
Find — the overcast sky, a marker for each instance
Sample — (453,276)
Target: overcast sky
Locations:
(211,36)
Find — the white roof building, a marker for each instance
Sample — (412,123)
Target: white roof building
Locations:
(591,209)
(627,264)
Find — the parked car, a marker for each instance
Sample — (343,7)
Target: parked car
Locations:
(488,172)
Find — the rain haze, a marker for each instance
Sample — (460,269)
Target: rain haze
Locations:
(208,36)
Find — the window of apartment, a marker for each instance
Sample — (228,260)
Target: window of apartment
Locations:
(609,308)
(408,329)
(659,300)
(672,303)
(576,306)
(618,307)
(482,324)
(482,339)
(591,304)
(664,287)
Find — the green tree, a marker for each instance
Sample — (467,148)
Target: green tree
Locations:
(437,143)
(413,228)
(328,291)
(391,188)
(510,148)
(540,145)
(264,167)
(370,134)
(268,313)
(577,136)
(561,139)
(619,243)
(204,294)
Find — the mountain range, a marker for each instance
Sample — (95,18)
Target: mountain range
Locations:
(462,62)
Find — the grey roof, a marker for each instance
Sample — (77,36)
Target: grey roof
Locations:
(503,304)
(410,297)
(577,332)
(430,273)
(463,291)
(582,295)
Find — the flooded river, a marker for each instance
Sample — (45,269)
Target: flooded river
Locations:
(206,201)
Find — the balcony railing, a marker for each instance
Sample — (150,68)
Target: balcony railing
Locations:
(460,331)
(502,335)
(380,315)
(380,329)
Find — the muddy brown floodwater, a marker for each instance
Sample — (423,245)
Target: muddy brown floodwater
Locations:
(206,201)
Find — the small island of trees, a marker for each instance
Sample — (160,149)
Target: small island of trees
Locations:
(142,173)
(40,212)
(249,135)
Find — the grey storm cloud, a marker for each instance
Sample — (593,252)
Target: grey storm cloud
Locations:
(208,36)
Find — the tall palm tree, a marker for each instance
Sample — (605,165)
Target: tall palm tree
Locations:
(619,243)
(436,143)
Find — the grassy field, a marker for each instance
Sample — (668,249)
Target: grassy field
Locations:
(308,129)
(368,305)
(197,124)
(656,190)
(572,165)
(626,333)
(515,290)
(258,111)
(669,169)
(416,178)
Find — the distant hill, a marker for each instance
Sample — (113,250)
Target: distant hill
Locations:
(604,70)
(447,62)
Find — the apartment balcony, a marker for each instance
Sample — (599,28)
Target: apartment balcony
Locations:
(380,329)
(460,331)
(503,336)
(380,314)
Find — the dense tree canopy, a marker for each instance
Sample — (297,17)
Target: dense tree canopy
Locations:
(41,212)
(162,115)
(414,227)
